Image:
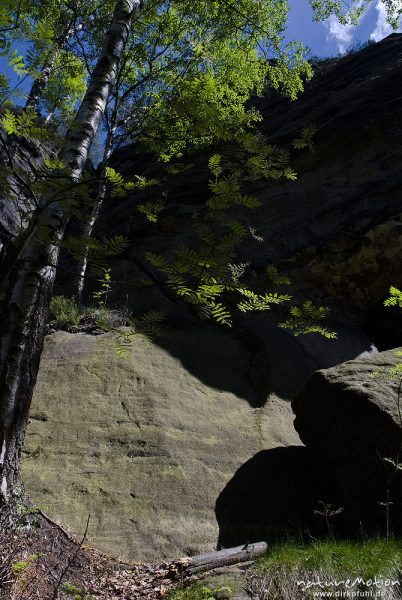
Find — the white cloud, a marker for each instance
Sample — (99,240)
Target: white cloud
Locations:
(382,28)
(341,34)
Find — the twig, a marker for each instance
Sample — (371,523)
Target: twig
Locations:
(49,520)
(70,561)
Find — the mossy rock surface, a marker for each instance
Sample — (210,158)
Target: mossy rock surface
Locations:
(186,444)
(141,444)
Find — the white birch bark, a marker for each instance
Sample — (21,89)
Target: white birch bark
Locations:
(93,216)
(25,295)
(40,82)
(80,137)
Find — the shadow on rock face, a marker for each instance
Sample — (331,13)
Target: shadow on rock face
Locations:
(259,358)
(271,496)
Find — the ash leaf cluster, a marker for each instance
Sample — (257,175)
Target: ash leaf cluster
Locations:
(210,275)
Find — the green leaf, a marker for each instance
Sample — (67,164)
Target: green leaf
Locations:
(44,33)
(305,319)
(215,165)
(9,122)
(275,276)
(395,298)
(153,316)
(220,313)
(16,61)
(116,245)
(305,140)
(151,209)
(290,174)
(158,262)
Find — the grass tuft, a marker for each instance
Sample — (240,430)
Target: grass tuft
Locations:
(197,591)
(277,575)
(66,315)
(105,318)
(64,311)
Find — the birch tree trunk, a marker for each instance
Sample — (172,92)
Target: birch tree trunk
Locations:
(94,213)
(25,296)
(40,82)
(80,137)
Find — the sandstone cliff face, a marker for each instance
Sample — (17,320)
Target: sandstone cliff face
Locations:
(190,441)
(13,210)
(337,230)
(344,212)
(148,445)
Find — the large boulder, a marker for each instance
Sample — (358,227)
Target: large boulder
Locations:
(351,423)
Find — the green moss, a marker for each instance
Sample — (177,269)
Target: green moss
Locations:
(198,591)
(19,567)
(131,441)
(75,592)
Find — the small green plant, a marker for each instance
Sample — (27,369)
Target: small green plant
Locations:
(210,593)
(97,252)
(199,592)
(19,567)
(105,318)
(25,123)
(74,591)
(395,297)
(148,324)
(305,140)
(306,319)
(101,295)
(392,374)
(28,514)
(64,311)
(209,275)
(328,512)
(120,186)
(29,510)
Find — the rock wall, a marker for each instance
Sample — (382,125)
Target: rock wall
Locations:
(337,230)
(16,205)
(143,444)
(159,448)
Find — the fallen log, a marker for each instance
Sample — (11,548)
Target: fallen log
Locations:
(223,558)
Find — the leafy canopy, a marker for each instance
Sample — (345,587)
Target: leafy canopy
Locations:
(188,71)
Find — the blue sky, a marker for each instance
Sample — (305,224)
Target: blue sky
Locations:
(324,39)
(331,38)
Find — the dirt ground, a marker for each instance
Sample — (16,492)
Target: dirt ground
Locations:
(43,561)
